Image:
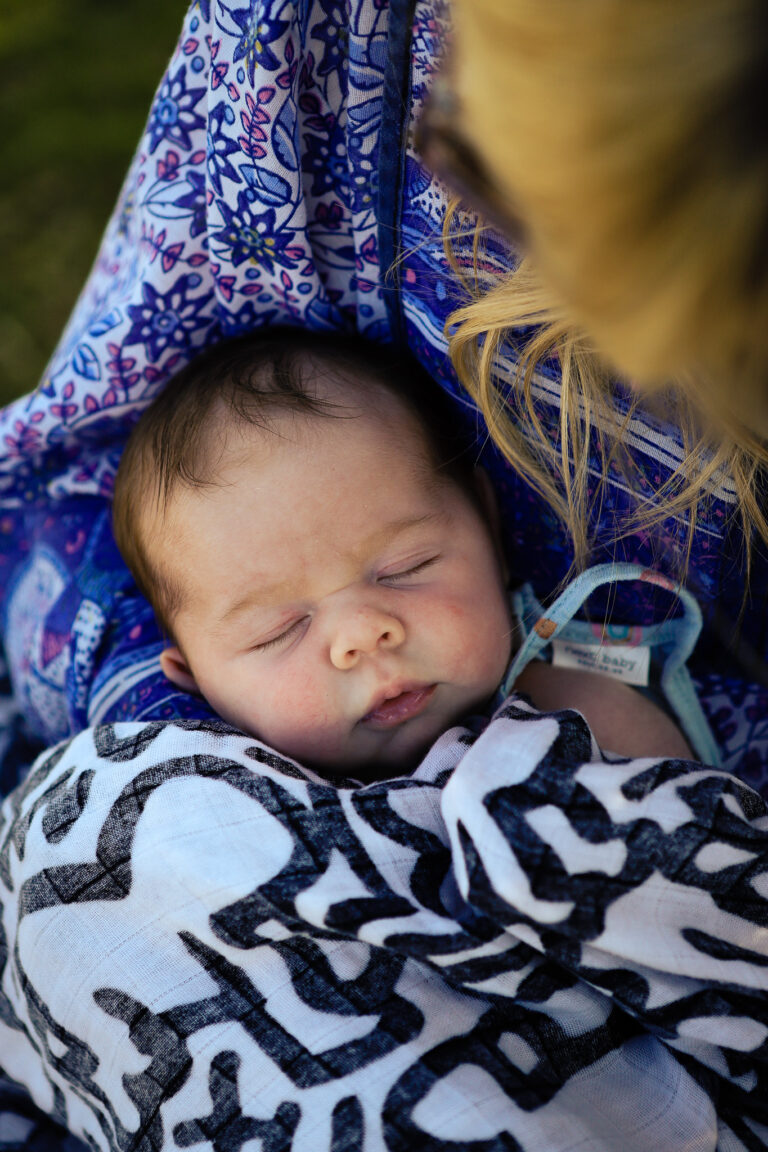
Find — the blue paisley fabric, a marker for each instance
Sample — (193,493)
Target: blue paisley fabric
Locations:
(276,183)
(518,946)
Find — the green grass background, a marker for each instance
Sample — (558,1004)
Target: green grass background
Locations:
(76,81)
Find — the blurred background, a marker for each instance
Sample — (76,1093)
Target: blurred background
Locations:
(76,81)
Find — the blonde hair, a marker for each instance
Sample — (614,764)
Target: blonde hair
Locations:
(636,152)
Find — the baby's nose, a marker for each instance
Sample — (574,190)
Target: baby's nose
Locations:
(363,632)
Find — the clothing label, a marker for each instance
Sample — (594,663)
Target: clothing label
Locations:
(621,661)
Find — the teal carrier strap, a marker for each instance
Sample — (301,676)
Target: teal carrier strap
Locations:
(628,653)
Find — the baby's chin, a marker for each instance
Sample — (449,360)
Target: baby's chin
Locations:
(385,763)
(377,759)
(370,771)
(398,759)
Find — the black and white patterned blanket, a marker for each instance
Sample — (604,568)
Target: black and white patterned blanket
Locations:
(520,946)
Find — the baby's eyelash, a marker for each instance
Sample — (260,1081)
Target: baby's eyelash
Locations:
(265,645)
(413,571)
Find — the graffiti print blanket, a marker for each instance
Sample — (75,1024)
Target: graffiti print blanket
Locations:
(520,946)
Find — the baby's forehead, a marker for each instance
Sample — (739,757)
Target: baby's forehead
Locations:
(342,411)
(339,402)
(299,461)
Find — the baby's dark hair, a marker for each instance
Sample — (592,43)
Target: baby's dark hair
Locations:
(253,380)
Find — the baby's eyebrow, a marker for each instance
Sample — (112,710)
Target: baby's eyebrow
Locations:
(388,532)
(393,528)
(252,599)
(380,538)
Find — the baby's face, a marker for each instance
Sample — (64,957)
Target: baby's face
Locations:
(340,602)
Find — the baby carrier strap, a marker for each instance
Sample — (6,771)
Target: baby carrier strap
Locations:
(663,648)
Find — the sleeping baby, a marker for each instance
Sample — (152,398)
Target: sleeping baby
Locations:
(306,521)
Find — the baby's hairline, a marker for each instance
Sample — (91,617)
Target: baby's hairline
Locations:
(155,515)
(256,383)
(227,422)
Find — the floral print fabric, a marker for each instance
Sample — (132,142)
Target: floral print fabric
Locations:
(275,183)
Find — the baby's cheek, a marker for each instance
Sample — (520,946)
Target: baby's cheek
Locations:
(453,616)
(295,712)
(476,634)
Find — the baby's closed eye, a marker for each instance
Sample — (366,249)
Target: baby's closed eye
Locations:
(291,632)
(406,573)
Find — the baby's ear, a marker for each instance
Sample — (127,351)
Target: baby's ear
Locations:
(177,670)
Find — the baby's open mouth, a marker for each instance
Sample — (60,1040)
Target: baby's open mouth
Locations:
(397,709)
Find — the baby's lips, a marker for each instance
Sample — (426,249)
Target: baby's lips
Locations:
(397,709)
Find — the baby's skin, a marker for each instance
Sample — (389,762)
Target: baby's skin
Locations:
(346,603)
(341,600)
(622,720)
